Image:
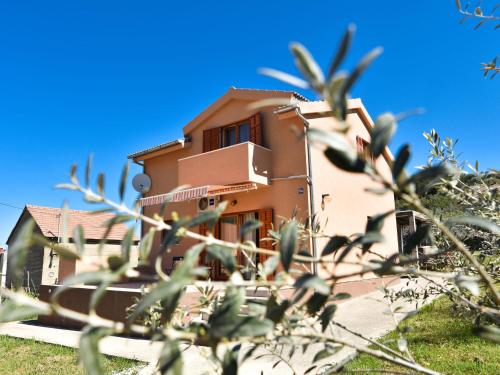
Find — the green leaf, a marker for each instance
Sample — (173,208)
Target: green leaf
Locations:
(123,181)
(311,281)
(59,248)
(90,356)
(343,161)
(326,316)
(19,251)
(230,361)
(100,184)
(416,238)
(250,226)
(269,266)
(341,296)
(145,245)
(307,66)
(430,173)
(288,243)
(274,311)
(475,222)
(79,238)
(89,278)
(382,133)
(325,353)
(342,50)
(224,255)
(127,243)
(464,282)
(360,68)
(88,168)
(284,77)
(72,175)
(11,311)
(248,326)
(169,291)
(334,244)
(316,302)
(489,332)
(170,362)
(401,159)
(225,322)
(375,223)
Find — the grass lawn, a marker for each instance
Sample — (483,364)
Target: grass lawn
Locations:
(441,341)
(19,356)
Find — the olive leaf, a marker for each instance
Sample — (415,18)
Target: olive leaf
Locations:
(90,356)
(334,244)
(311,281)
(401,160)
(170,361)
(288,243)
(382,133)
(224,255)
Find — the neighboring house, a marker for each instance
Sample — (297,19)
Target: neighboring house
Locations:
(3,267)
(44,266)
(259,161)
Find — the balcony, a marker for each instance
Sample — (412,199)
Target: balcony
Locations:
(244,162)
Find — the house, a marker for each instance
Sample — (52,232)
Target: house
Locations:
(3,267)
(259,162)
(43,266)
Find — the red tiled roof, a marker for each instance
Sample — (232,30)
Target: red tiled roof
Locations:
(2,250)
(94,225)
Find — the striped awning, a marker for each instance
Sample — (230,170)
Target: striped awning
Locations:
(196,193)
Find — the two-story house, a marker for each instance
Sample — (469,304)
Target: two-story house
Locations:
(258,161)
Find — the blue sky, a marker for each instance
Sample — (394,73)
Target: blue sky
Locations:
(113,77)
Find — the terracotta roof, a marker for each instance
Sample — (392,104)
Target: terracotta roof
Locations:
(157,148)
(94,225)
(2,250)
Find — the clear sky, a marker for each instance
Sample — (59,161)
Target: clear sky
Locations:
(113,77)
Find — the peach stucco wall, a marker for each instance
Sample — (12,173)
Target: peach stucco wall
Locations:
(350,204)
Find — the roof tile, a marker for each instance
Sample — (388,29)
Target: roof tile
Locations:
(94,224)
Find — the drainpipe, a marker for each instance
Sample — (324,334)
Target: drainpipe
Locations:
(312,208)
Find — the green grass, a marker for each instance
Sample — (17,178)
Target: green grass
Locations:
(23,357)
(442,341)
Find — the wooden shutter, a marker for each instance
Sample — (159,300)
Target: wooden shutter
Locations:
(256,134)
(211,139)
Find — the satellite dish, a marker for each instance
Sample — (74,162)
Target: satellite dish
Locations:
(141,183)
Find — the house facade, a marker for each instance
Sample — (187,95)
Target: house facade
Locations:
(3,267)
(259,162)
(43,266)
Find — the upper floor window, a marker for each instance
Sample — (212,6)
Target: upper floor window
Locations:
(248,130)
(235,134)
(363,149)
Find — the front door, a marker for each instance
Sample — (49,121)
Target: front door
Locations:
(228,229)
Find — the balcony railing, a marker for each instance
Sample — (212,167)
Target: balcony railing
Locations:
(244,162)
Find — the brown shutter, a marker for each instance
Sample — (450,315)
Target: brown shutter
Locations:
(256,134)
(266,217)
(211,139)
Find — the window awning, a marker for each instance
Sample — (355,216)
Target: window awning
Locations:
(196,193)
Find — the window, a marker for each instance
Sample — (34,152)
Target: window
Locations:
(235,134)
(248,130)
(363,150)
